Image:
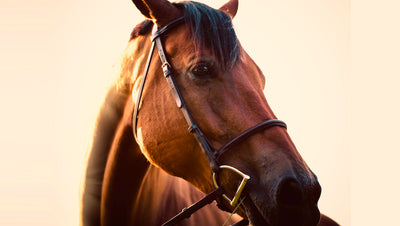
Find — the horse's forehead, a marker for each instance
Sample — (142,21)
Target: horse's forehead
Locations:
(180,46)
(179,40)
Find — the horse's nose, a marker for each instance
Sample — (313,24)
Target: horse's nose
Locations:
(297,202)
(289,193)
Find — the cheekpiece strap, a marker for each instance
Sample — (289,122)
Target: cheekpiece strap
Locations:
(205,145)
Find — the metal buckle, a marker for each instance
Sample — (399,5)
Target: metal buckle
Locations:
(239,190)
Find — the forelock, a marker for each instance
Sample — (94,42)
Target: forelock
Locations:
(212,29)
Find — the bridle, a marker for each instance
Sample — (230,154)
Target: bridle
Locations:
(209,150)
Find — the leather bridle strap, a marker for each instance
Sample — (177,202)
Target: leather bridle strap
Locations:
(188,211)
(140,91)
(146,71)
(205,145)
(248,133)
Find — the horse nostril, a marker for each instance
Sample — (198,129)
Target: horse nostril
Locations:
(289,193)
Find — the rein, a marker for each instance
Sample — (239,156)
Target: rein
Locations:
(208,149)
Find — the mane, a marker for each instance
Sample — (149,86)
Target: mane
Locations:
(141,29)
(212,29)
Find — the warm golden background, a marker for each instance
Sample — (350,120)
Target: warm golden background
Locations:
(332,70)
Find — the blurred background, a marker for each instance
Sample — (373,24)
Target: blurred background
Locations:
(332,75)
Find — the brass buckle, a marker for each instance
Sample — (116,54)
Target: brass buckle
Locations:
(239,190)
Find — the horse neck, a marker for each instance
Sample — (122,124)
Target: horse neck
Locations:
(115,166)
(107,123)
(124,172)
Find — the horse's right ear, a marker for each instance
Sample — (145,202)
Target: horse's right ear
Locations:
(142,8)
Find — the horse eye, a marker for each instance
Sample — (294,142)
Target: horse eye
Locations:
(202,70)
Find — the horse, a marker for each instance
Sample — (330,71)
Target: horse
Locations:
(205,127)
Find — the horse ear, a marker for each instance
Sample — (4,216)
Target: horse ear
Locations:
(142,8)
(160,11)
(230,8)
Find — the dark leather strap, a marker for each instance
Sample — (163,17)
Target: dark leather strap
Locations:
(188,211)
(205,145)
(246,134)
(146,70)
(140,91)
(167,27)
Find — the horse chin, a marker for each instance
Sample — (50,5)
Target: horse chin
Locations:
(274,217)
(254,215)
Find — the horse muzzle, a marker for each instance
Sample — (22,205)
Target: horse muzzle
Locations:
(289,203)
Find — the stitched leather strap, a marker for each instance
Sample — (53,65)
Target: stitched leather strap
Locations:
(205,145)
(146,70)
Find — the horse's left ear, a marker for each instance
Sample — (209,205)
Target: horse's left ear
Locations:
(230,8)
(160,11)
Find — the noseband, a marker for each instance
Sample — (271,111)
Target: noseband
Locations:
(208,149)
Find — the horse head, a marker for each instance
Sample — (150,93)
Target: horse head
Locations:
(222,90)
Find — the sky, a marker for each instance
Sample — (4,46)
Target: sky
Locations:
(331,76)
